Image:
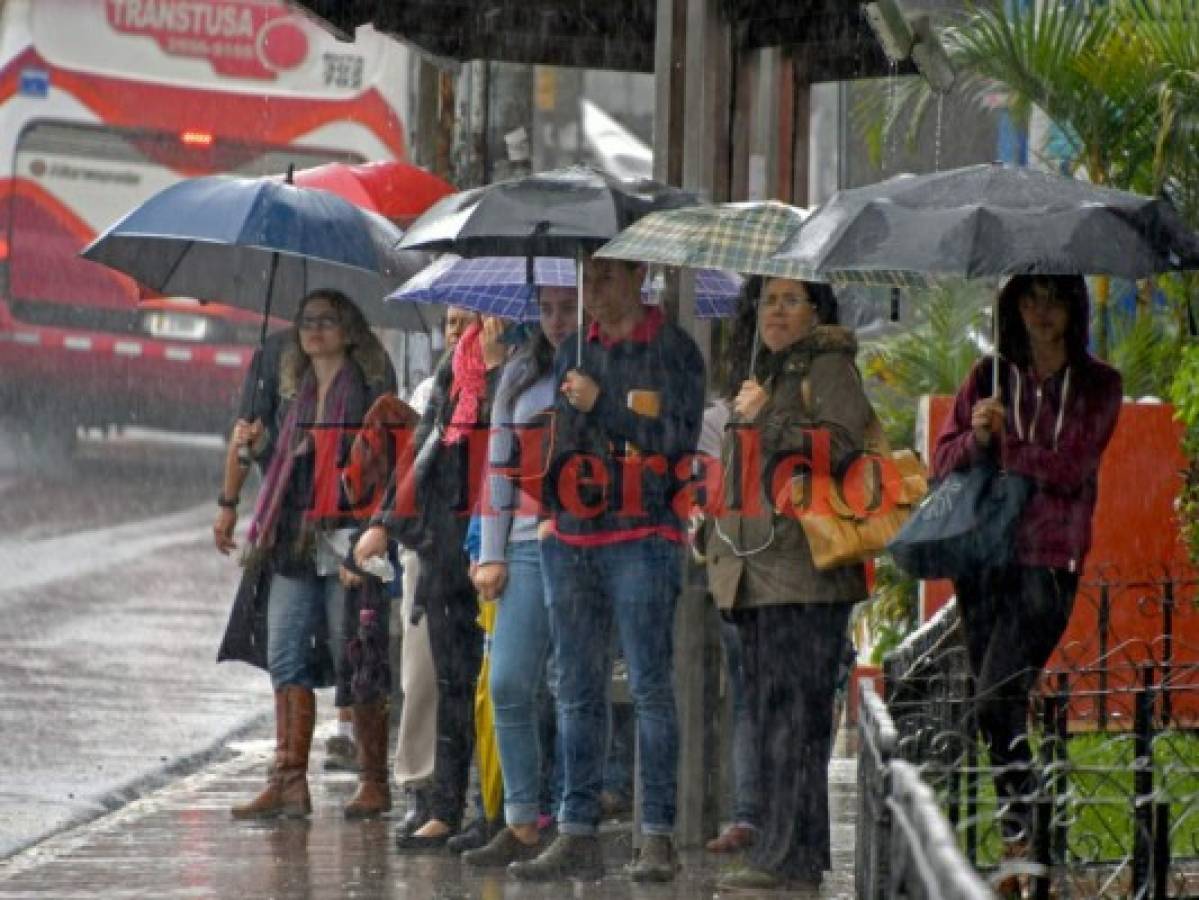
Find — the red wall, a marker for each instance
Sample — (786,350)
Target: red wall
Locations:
(1136,553)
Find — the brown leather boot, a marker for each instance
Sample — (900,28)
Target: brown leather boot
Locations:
(286,792)
(373,797)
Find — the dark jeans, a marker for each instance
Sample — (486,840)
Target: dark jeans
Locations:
(456,642)
(1013,618)
(634,585)
(791,653)
(745,741)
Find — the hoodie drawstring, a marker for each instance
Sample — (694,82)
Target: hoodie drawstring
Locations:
(1061,411)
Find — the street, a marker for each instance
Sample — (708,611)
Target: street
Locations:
(111,607)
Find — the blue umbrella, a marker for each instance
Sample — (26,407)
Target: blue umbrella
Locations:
(260,244)
(499,285)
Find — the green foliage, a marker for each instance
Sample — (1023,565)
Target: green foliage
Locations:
(1119,79)
(1146,350)
(1184,394)
(932,356)
(1098,805)
(892,614)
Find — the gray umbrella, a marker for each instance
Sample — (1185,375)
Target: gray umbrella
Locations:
(564,212)
(990,220)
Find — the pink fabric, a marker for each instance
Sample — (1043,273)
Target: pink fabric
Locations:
(469,385)
(289,444)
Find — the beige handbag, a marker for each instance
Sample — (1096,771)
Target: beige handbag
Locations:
(844,538)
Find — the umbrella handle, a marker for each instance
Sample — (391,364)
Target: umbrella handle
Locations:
(579,311)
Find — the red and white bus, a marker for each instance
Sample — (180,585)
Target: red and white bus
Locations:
(104,102)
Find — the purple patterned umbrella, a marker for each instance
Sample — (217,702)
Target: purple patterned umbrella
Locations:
(499,286)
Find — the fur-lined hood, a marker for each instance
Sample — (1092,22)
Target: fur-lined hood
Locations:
(798,357)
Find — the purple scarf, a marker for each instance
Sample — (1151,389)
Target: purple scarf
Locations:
(292,443)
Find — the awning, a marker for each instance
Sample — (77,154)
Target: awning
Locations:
(831,37)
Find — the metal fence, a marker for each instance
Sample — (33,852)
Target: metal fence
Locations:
(1114,734)
(905,847)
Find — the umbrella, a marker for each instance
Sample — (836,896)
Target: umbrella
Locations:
(564,212)
(259,244)
(738,237)
(555,213)
(396,190)
(499,285)
(487,751)
(989,220)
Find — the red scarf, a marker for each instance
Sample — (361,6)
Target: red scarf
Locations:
(469,384)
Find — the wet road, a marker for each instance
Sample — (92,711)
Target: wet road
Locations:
(111,605)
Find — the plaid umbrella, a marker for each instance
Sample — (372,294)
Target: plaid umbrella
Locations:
(499,286)
(737,237)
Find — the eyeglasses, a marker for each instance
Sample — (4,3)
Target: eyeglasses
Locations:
(325,322)
(789,302)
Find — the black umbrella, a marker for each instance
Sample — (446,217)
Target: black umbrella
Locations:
(563,212)
(989,220)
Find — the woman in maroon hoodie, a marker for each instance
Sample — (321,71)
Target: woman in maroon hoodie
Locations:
(1055,413)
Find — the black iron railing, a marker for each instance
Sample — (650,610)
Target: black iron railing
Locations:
(1114,737)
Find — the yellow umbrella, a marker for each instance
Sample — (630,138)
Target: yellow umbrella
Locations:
(487,751)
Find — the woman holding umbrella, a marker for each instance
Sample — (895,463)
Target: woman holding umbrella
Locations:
(1049,421)
(804,392)
(510,569)
(330,375)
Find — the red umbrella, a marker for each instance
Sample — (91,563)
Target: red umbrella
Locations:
(399,191)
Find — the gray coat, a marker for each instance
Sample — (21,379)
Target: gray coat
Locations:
(813,384)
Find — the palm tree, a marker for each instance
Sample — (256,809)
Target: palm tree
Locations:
(1119,80)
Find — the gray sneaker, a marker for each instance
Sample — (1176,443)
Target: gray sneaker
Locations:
(340,754)
(656,861)
(569,856)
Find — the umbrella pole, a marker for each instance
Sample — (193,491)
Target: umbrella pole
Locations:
(243,452)
(757,340)
(579,311)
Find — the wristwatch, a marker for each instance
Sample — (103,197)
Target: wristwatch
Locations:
(225,503)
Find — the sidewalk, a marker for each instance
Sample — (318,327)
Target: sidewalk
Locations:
(180,842)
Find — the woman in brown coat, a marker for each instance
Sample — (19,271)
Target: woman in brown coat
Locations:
(803,401)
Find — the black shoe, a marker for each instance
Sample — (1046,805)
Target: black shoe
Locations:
(474,835)
(417,812)
(407,842)
(569,856)
(503,849)
(656,860)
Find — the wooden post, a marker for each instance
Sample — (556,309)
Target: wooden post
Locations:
(691,149)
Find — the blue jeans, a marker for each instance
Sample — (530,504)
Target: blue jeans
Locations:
(636,585)
(519,649)
(294,612)
(745,742)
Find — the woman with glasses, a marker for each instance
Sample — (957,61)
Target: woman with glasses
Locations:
(329,375)
(801,411)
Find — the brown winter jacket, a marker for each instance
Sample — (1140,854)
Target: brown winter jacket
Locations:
(833,403)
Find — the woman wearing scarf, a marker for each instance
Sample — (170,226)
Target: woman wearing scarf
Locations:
(329,376)
(803,392)
(450,444)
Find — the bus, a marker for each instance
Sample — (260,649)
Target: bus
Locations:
(105,102)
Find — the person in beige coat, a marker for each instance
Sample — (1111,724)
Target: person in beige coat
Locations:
(803,399)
